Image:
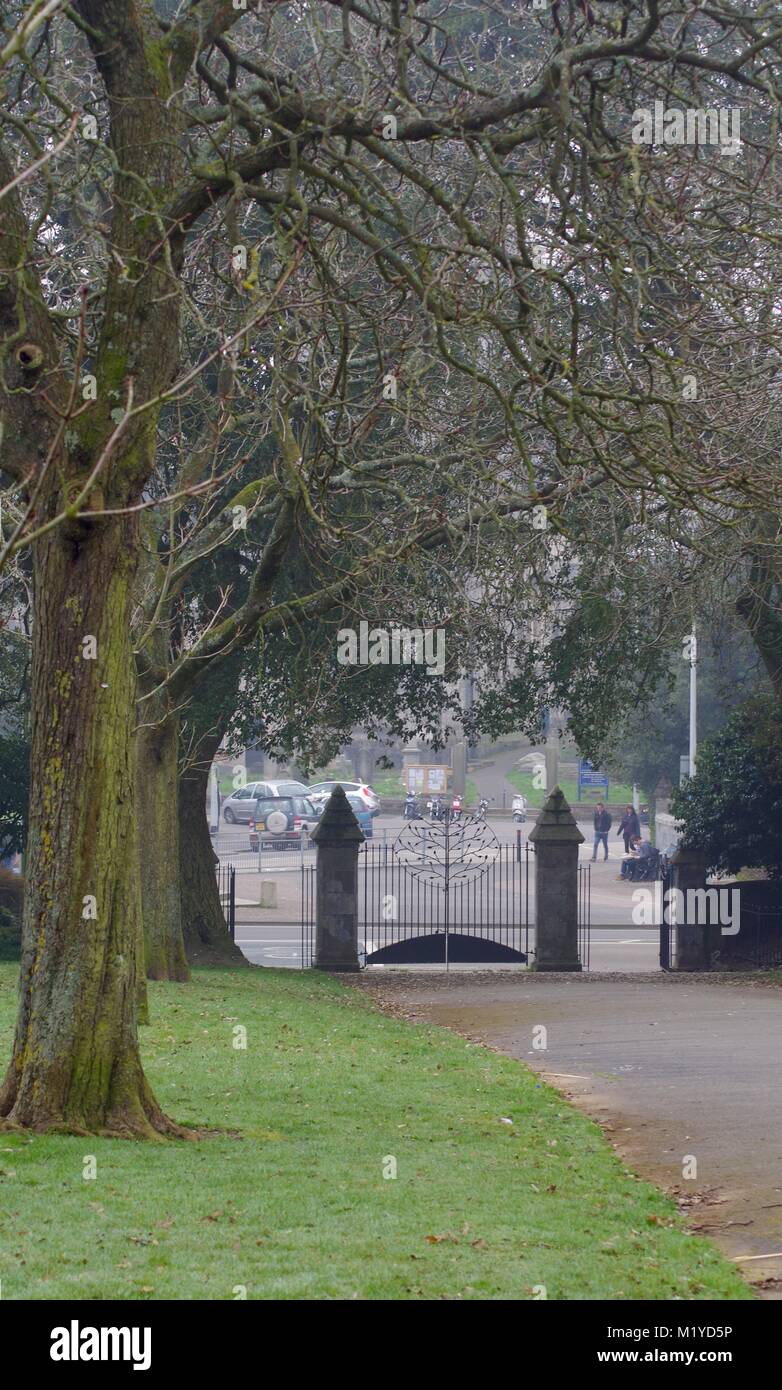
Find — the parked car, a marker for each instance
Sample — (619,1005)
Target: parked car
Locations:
(363,816)
(239,808)
(280,821)
(321,791)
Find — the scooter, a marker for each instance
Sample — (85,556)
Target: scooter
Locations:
(483,806)
(456,808)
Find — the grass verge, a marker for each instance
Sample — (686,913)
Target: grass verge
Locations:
(327,1092)
(618,792)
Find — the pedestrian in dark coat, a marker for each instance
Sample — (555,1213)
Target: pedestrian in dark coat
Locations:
(602,824)
(629,826)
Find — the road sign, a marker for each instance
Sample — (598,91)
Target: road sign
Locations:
(589,779)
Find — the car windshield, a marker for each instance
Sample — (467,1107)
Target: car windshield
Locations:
(290,788)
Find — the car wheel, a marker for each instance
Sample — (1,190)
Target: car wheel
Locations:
(228,816)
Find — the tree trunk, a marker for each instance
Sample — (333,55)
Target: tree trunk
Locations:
(76,1063)
(207,939)
(158,847)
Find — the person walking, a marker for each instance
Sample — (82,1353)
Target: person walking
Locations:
(629,826)
(602,824)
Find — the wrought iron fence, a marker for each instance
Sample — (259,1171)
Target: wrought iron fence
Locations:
(667,927)
(584,914)
(758,944)
(308,882)
(226,887)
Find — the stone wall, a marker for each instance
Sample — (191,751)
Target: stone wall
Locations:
(666,832)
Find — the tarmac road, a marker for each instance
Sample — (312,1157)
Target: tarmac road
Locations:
(273,936)
(674,1067)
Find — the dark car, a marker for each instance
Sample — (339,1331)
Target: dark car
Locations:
(280,821)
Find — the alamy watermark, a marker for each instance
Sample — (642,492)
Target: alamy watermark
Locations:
(672,125)
(77,1343)
(396,646)
(692,907)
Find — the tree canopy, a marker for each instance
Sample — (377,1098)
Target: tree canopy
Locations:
(732,808)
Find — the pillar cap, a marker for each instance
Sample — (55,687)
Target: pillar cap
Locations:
(338,825)
(556,823)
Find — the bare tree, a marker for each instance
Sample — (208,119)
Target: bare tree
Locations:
(507,204)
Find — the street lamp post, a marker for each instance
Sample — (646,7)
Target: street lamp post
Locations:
(693,699)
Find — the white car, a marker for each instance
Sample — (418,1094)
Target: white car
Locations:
(320,792)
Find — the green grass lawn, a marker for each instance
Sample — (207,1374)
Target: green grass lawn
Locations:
(618,792)
(326,1093)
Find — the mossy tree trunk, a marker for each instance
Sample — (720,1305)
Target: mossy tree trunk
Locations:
(157,838)
(207,939)
(76,1062)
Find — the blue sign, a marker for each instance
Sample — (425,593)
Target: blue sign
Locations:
(589,777)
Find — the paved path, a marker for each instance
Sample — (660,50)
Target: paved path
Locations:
(492,781)
(669,1065)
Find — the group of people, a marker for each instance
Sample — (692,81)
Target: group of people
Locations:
(636,848)
(629,826)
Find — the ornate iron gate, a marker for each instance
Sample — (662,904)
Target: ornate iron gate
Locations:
(445,892)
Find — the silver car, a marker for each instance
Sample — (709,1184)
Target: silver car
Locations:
(239,807)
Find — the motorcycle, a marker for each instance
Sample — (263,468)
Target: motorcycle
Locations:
(410,810)
(456,808)
(436,809)
(483,806)
(519,809)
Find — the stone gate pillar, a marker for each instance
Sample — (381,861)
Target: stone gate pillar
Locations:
(693,937)
(337,837)
(556,838)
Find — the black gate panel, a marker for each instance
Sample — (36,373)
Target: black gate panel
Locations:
(474,893)
(437,948)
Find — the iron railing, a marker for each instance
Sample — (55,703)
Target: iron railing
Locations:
(226,887)
(758,944)
(584,914)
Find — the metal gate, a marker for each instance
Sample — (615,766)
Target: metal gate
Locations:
(433,895)
(444,893)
